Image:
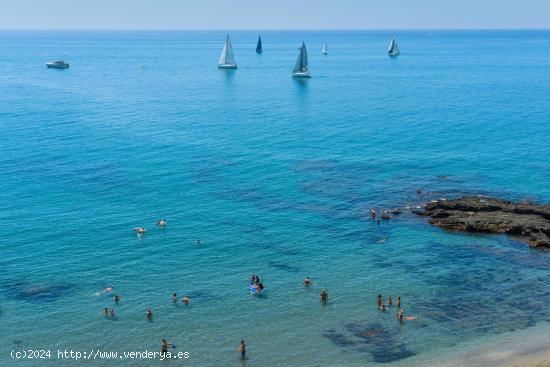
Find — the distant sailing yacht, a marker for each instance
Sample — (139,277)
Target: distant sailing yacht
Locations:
(324,50)
(259,46)
(301,69)
(393,50)
(227,59)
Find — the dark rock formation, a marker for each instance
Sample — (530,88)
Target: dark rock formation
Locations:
(489,215)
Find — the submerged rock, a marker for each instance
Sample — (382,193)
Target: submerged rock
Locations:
(489,215)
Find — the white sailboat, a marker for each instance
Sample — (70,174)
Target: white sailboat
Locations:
(393,49)
(324,50)
(301,69)
(227,59)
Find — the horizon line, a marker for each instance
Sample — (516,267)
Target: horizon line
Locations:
(258,29)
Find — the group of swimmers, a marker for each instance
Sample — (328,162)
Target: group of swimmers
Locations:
(141,230)
(148,314)
(399,315)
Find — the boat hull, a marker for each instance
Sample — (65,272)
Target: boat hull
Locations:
(394,54)
(227,66)
(301,75)
(53,66)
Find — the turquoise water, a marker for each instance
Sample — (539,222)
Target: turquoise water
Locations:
(275,176)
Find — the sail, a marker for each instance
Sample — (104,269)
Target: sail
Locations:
(325,49)
(227,58)
(301,63)
(259,45)
(393,49)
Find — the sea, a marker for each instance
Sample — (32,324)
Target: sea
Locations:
(259,173)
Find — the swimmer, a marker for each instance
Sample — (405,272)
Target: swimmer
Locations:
(162,223)
(198,242)
(149,314)
(398,302)
(260,288)
(174,297)
(108,289)
(105,312)
(116,298)
(389,301)
(399,315)
(379,301)
(113,314)
(383,308)
(185,300)
(253,279)
(242,349)
(257,281)
(324,296)
(139,230)
(307,282)
(378,222)
(373,213)
(164,347)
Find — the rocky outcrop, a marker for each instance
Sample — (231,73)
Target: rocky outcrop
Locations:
(489,215)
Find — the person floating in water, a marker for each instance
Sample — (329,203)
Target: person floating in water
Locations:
(389,301)
(149,314)
(307,282)
(398,304)
(242,349)
(164,348)
(105,312)
(185,300)
(139,230)
(324,296)
(108,289)
(116,298)
(379,301)
(174,297)
(162,223)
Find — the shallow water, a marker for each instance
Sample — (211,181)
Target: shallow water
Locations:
(275,176)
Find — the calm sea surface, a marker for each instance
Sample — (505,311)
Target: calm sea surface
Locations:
(275,176)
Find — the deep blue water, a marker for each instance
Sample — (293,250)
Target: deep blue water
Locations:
(275,176)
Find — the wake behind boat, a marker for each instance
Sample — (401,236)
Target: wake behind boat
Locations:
(59,64)
(393,50)
(301,69)
(227,59)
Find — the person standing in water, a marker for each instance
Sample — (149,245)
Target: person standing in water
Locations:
(398,304)
(307,282)
(149,314)
(323,296)
(164,348)
(105,312)
(242,349)
(399,315)
(117,298)
(174,297)
(113,314)
(389,301)
(379,300)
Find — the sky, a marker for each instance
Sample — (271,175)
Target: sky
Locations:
(273,14)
